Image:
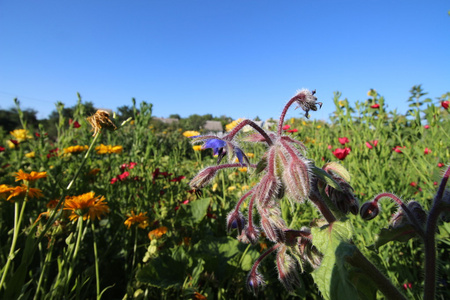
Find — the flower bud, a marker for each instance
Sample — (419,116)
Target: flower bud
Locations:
(203,178)
(250,234)
(255,282)
(369,210)
(235,219)
(287,270)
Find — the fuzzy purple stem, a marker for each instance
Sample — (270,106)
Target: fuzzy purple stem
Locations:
(430,242)
(411,217)
(264,255)
(236,129)
(283,114)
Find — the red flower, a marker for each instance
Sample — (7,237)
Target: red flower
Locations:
(286,127)
(330,147)
(341,153)
(185,202)
(37,134)
(76,124)
(123,176)
(2,149)
(407,285)
(398,149)
(435,183)
(426,126)
(413,184)
(372,144)
(376,105)
(427,151)
(343,140)
(178,179)
(14,142)
(293,130)
(440,165)
(445,104)
(114,180)
(52,152)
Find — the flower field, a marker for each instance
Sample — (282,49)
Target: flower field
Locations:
(121,210)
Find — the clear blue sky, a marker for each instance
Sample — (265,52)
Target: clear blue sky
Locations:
(236,58)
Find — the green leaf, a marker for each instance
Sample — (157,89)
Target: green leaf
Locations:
(325,177)
(332,277)
(402,234)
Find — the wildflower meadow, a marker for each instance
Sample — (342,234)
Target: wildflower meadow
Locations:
(99,205)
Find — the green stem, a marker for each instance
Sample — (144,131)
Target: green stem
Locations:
(77,247)
(97,276)
(383,284)
(134,248)
(48,258)
(17,221)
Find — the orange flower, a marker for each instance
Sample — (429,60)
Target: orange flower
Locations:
(158,232)
(21,175)
(22,190)
(5,190)
(94,172)
(86,205)
(75,149)
(141,218)
(108,149)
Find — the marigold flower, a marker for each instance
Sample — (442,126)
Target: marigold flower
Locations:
(427,151)
(21,135)
(75,149)
(157,233)
(5,190)
(108,149)
(22,190)
(87,206)
(190,133)
(197,148)
(233,124)
(376,105)
(30,154)
(33,176)
(341,153)
(445,104)
(141,219)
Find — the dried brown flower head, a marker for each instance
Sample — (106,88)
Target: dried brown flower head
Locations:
(101,120)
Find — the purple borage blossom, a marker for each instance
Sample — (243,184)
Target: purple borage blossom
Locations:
(284,171)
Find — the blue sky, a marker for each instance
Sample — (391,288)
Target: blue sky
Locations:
(237,58)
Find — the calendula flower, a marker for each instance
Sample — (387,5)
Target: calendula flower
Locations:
(108,149)
(87,206)
(141,219)
(5,190)
(197,147)
(22,191)
(233,124)
(101,120)
(157,233)
(94,172)
(21,135)
(33,176)
(190,133)
(75,149)
(30,154)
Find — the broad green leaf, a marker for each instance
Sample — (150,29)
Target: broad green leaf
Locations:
(325,177)
(402,234)
(332,277)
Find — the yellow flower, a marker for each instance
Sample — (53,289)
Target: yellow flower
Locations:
(30,154)
(191,133)
(243,169)
(11,145)
(304,123)
(250,155)
(86,205)
(33,176)
(21,135)
(108,149)
(319,126)
(245,187)
(158,232)
(22,190)
(197,147)
(141,218)
(292,120)
(215,186)
(341,103)
(5,190)
(231,188)
(233,124)
(75,149)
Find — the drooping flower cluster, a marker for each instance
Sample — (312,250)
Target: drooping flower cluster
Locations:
(284,171)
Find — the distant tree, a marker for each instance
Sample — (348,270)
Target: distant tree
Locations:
(175,116)
(257,118)
(124,112)
(9,119)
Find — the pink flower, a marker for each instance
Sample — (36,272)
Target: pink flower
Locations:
(330,147)
(407,285)
(440,165)
(185,202)
(426,126)
(372,144)
(114,180)
(427,151)
(343,140)
(398,149)
(376,105)
(293,130)
(435,183)
(123,176)
(341,153)
(286,127)
(413,184)
(445,104)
